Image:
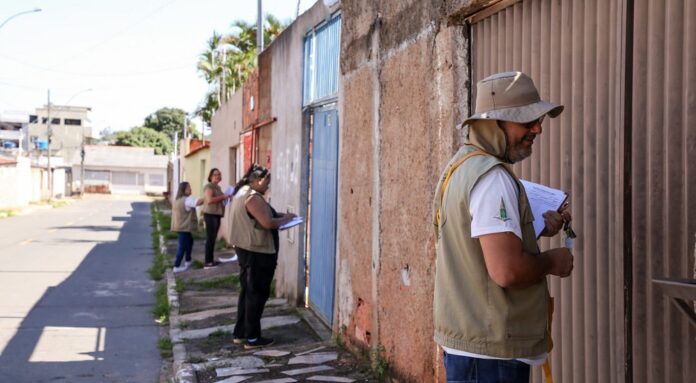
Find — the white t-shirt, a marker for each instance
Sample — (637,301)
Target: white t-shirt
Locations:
(494,208)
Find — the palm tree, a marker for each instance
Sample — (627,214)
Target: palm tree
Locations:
(228,60)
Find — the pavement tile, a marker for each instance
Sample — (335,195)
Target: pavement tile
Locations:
(324,378)
(272,353)
(307,370)
(311,351)
(238,362)
(234,379)
(222,372)
(317,358)
(281,380)
(266,323)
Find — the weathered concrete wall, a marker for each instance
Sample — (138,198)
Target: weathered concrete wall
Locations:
(290,148)
(404,81)
(17,181)
(226,126)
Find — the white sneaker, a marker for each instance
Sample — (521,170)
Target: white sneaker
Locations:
(180,269)
(187,264)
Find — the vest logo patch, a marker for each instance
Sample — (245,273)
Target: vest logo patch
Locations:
(503,212)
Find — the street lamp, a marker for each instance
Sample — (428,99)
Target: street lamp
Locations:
(18,14)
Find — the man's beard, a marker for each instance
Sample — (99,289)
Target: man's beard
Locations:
(518,152)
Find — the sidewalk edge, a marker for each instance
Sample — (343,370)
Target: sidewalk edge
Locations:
(183,371)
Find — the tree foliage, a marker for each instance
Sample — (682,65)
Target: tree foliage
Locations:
(169,121)
(145,138)
(229,59)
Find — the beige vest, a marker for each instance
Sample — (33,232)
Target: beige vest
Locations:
(183,220)
(246,232)
(471,312)
(214,208)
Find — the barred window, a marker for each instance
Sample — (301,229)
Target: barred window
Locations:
(156,180)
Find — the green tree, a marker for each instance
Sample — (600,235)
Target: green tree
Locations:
(169,121)
(145,138)
(229,59)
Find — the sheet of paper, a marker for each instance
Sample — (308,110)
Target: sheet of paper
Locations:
(542,199)
(294,222)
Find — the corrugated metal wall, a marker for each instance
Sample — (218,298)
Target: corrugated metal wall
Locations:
(574,51)
(664,186)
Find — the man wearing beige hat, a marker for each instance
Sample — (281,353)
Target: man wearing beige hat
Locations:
(492,306)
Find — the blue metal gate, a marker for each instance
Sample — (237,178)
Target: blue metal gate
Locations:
(322,253)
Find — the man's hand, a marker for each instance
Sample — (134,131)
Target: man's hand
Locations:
(554,220)
(561,261)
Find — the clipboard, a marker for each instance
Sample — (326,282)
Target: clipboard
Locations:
(542,199)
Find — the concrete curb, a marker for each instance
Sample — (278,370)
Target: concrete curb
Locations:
(184,372)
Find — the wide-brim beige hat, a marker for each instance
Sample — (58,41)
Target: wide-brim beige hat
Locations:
(510,96)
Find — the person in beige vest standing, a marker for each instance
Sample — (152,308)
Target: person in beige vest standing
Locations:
(491,303)
(255,238)
(184,222)
(213,210)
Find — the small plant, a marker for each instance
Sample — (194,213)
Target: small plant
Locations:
(220,244)
(179,286)
(226,282)
(219,333)
(380,366)
(160,261)
(57,204)
(196,264)
(165,347)
(161,308)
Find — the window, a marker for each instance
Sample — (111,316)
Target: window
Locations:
(33,119)
(124,178)
(72,121)
(156,180)
(54,121)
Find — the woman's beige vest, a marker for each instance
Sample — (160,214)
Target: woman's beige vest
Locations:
(183,220)
(216,208)
(246,232)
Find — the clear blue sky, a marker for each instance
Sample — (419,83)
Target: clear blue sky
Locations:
(135,55)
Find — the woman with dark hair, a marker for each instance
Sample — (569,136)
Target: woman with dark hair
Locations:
(184,222)
(255,238)
(213,210)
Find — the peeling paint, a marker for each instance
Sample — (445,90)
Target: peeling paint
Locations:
(344,294)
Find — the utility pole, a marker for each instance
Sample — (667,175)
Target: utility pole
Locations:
(82,165)
(259,30)
(48,147)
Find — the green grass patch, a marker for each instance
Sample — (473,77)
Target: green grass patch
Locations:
(165,347)
(6,213)
(219,334)
(220,244)
(160,262)
(226,282)
(171,235)
(184,325)
(196,264)
(57,204)
(198,235)
(161,309)
(180,286)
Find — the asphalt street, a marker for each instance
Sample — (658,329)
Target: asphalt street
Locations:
(75,296)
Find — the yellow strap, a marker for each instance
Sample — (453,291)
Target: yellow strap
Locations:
(449,175)
(547,371)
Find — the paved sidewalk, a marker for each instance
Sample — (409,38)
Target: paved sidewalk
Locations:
(203,312)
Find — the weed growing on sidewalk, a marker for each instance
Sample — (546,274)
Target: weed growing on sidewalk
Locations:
(165,347)
(220,244)
(179,285)
(161,308)
(219,334)
(226,282)
(159,261)
(379,361)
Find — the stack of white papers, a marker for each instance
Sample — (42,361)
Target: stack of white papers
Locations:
(294,222)
(542,199)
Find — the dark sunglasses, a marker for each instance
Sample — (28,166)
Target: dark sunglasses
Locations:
(530,125)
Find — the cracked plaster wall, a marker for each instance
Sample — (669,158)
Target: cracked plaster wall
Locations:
(404,88)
